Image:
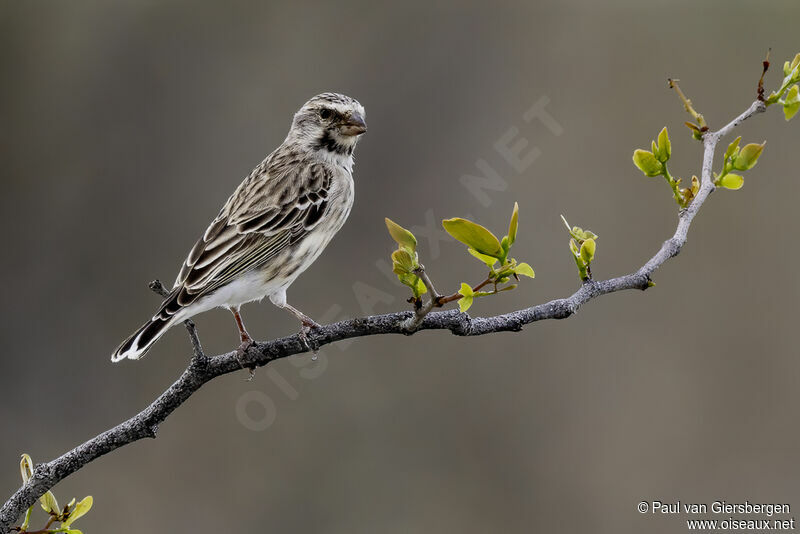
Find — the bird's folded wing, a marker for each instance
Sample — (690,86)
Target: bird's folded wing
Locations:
(261,219)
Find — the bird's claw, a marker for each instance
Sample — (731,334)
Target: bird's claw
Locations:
(309,343)
(240,351)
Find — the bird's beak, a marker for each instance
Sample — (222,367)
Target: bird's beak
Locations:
(353,125)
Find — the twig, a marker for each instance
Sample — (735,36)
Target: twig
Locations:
(687,105)
(197,349)
(201,369)
(457,295)
(413,322)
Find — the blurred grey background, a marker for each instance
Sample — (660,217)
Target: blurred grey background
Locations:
(125,126)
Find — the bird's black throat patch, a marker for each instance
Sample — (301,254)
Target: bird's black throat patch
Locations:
(329,143)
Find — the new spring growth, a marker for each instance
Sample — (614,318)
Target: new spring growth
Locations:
(481,243)
(697,129)
(788,94)
(582,244)
(65,516)
(493,252)
(405,260)
(739,159)
(654,163)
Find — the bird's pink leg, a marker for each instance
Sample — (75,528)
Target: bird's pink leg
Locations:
(304,319)
(247,341)
(243,335)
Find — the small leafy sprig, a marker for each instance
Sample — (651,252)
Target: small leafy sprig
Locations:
(481,243)
(64,516)
(494,253)
(789,88)
(739,159)
(654,163)
(700,127)
(405,261)
(582,244)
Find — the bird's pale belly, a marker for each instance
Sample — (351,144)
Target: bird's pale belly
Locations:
(265,281)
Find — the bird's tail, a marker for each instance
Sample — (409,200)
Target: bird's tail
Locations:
(140,342)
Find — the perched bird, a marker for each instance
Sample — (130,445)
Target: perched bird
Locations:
(272,228)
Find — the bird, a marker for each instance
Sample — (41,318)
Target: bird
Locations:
(272,228)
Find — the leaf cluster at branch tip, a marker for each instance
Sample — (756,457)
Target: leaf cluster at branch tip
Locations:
(405,260)
(788,94)
(583,245)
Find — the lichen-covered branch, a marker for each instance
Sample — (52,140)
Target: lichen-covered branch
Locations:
(203,369)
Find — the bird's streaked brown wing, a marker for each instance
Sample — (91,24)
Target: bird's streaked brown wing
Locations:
(267,213)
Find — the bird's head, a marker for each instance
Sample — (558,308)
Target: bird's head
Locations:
(329,122)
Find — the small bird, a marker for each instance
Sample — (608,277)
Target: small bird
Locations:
(273,227)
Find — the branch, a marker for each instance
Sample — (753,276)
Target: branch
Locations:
(203,369)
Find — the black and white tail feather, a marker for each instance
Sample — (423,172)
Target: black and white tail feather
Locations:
(145,337)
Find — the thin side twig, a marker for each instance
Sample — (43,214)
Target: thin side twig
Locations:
(197,348)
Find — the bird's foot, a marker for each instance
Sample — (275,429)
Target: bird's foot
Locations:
(310,343)
(309,323)
(247,342)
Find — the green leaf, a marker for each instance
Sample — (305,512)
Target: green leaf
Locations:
(788,68)
(488,260)
(693,127)
(573,246)
(792,102)
(80,510)
(403,237)
(73,531)
(49,503)
(27,520)
(512,226)
(695,186)
(732,181)
(577,232)
(587,250)
(525,270)
(748,156)
(464,303)
(732,147)
(414,282)
(474,236)
(647,163)
(664,145)
(403,261)
(26,468)
(466,290)
(504,245)
(507,288)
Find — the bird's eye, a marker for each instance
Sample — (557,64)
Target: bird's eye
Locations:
(325,113)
